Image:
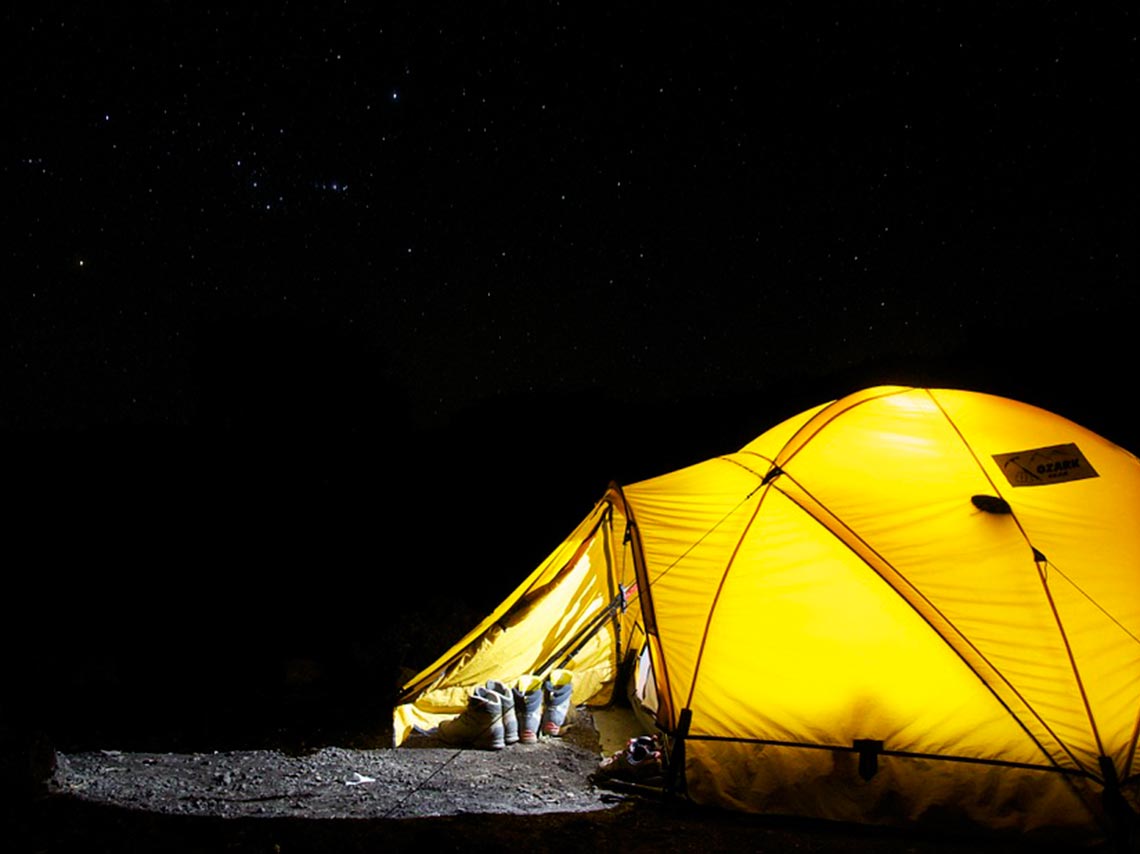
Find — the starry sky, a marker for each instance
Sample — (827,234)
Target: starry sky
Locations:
(270,268)
(493,201)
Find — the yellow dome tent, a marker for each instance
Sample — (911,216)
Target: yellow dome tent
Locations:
(905,605)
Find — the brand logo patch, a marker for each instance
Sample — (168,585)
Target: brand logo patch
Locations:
(1040,466)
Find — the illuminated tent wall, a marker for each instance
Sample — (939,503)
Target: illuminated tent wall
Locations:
(908,604)
(576,611)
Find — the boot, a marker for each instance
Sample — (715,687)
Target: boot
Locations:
(528,707)
(557,689)
(639,762)
(480,725)
(507,700)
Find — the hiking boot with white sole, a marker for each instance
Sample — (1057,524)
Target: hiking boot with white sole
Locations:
(480,725)
(556,690)
(507,700)
(528,707)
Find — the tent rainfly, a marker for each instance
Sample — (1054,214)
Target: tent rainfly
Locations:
(906,605)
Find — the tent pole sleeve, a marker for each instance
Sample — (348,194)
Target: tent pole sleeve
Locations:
(573,646)
(648,616)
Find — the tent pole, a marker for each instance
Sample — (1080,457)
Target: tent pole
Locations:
(675,777)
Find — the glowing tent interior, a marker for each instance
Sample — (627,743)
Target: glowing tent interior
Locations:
(904,605)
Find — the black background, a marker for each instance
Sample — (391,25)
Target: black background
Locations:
(325,323)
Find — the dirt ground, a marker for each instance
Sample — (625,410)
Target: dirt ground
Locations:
(423,779)
(425,796)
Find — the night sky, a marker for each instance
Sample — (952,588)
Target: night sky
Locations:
(314,307)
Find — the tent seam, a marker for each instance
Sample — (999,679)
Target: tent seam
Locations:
(720,588)
(934,628)
(1041,575)
(829,419)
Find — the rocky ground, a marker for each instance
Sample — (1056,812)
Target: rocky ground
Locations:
(424,779)
(426,796)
